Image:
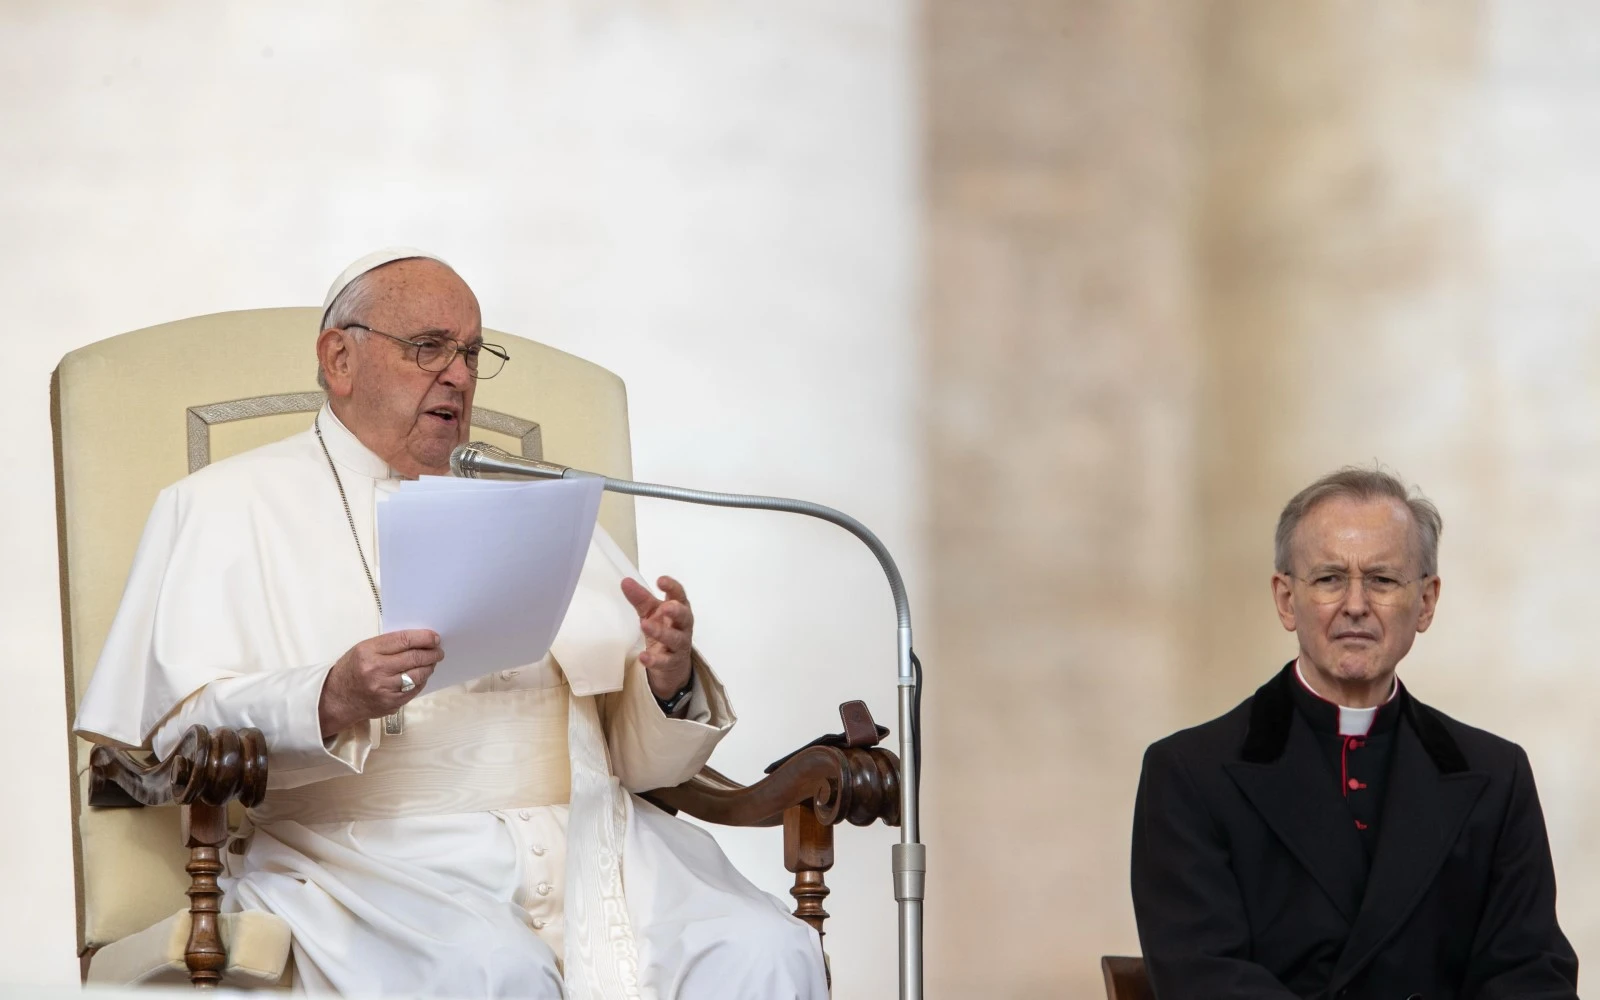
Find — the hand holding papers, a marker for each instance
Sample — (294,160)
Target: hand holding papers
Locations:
(490,566)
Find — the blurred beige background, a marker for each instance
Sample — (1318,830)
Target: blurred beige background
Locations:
(1181,259)
(1064,299)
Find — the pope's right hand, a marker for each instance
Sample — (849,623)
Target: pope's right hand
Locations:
(365,683)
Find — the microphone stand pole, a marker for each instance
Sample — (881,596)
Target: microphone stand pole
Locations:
(909,857)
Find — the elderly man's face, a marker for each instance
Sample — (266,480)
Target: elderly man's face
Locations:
(409,417)
(1351,645)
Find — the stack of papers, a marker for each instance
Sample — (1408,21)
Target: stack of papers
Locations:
(489,565)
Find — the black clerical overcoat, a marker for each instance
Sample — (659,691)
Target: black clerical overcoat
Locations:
(1249,878)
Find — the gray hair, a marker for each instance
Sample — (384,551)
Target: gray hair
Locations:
(1356,483)
(349,306)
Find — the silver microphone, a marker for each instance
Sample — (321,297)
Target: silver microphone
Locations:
(479,460)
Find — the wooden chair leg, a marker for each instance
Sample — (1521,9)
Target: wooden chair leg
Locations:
(205,833)
(808,852)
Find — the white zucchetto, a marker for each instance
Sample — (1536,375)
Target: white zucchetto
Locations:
(376,259)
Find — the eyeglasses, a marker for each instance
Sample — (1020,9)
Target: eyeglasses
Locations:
(435,354)
(1379,588)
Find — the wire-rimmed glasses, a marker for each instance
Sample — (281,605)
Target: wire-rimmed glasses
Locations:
(436,353)
(1331,587)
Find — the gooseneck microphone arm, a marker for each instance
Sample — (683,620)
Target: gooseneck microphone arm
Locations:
(477,460)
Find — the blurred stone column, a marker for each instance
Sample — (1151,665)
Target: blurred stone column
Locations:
(1337,255)
(1062,377)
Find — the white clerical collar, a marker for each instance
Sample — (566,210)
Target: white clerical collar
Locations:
(348,450)
(1352,721)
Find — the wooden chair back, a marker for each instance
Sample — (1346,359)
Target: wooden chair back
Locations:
(1125,978)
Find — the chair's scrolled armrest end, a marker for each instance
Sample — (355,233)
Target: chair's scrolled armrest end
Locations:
(860,785)
(214,766)
(842,777)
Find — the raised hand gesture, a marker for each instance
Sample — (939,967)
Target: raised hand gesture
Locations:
(668,627)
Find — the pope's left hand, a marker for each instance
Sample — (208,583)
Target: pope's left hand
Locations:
(668,628)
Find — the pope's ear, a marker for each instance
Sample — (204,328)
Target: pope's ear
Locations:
(336,359)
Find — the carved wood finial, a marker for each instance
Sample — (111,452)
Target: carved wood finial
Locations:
(810,889)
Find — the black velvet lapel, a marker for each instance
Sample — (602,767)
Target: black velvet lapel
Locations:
(1272,709)
(1430,794)
(1284,777)
(1271,712)
(1436,739)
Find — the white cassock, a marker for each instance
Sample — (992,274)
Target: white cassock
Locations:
(492,849)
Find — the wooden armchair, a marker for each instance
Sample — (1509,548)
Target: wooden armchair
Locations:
(137,412)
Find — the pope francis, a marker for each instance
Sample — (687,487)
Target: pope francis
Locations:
(474,841)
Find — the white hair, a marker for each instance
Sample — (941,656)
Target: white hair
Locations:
(349,307)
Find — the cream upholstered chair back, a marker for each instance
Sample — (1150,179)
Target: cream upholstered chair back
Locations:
(138,412)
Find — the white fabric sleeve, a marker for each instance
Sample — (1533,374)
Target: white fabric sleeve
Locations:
(120,706)
(650,750)
(284,705)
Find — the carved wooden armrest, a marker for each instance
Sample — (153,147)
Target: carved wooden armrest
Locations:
(208,769)
(845,777)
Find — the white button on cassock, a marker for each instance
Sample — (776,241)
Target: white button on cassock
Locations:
(538,851)
(543,888)
(525,814)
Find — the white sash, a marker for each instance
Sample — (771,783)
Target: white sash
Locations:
(461,752)
(602,960)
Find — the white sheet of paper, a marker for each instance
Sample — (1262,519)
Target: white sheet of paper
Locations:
(490,566)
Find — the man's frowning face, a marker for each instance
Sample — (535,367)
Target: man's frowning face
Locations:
(1355,595)
(409,417)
